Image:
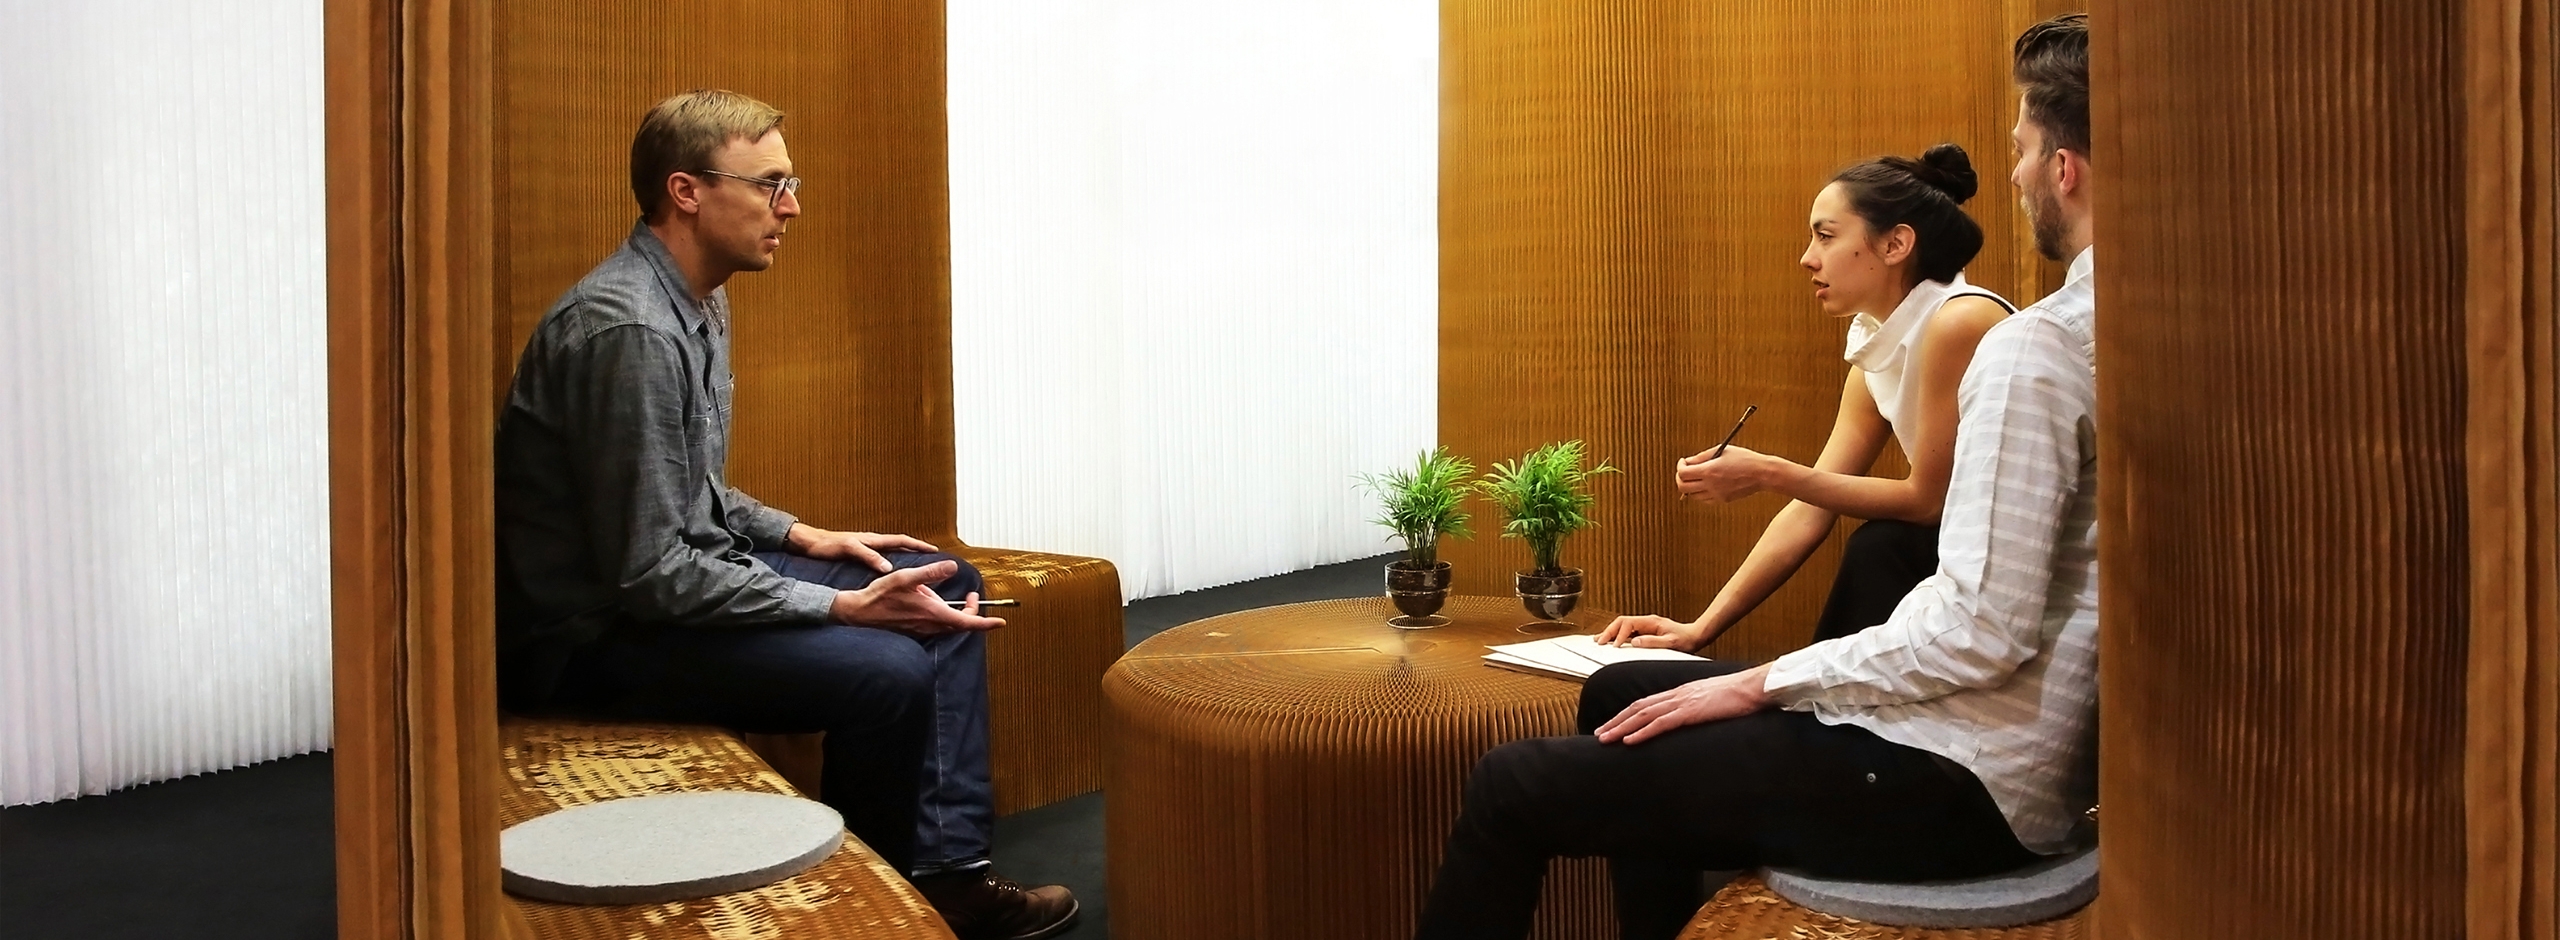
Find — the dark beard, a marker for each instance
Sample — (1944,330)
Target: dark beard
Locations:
(2044,216)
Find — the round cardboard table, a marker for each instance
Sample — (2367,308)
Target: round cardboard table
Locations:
(1292,772)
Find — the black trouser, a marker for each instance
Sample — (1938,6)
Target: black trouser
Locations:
(1773,788)
(1883,560)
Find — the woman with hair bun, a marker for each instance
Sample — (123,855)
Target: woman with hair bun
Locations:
(1890,240)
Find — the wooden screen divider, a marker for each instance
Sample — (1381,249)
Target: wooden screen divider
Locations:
(2326,379)
(416,764)
(1623,194)
(2281,420)
(2512,705)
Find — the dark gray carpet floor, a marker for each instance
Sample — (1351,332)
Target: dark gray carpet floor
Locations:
(241,853)
(246,853)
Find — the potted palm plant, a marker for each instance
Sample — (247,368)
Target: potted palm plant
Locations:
(1421,506)
(1544,499)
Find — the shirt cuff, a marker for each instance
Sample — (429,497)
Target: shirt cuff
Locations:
(810,601)
(1794,680)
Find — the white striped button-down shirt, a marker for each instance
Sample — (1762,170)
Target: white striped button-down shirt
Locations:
(1992,662)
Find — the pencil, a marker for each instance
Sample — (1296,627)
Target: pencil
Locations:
(988,602)
(1747,411)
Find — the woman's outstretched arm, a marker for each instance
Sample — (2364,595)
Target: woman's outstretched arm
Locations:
(1857,436)
(1944,353)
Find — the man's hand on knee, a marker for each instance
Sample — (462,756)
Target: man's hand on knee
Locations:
(1713,699)
(864,547)
(904,601)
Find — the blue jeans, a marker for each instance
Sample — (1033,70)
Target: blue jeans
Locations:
(905,719)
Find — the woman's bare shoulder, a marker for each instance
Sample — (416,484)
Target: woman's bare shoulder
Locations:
(1970,313)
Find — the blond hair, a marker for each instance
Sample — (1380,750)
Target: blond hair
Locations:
(680,134)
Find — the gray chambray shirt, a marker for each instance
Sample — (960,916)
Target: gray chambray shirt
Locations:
(611,505)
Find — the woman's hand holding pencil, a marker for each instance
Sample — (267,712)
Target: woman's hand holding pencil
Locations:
(1713,476)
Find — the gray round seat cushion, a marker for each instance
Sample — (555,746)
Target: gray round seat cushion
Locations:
(666,847)
(2038,892)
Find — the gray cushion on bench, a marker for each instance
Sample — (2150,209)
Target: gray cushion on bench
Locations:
(666,847)
(2039,892)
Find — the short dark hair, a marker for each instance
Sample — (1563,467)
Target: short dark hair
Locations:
(680,134)
(2050,63)
(1926,194)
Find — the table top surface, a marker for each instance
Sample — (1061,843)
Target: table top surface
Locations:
(1342,657)
(1293,771)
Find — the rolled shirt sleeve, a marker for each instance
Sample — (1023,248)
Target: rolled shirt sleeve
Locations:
(1970,625)
(630,431)
(767,527)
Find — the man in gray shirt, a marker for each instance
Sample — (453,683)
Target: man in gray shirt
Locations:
(633,581)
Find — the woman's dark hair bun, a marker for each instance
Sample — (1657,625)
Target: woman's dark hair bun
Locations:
(1946,167)
(1927,194)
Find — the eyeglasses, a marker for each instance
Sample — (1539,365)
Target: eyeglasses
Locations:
(773,188)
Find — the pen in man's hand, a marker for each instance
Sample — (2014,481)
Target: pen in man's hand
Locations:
(987,602)
(1747,411)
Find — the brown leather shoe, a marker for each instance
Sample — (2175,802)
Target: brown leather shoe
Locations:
(983,905)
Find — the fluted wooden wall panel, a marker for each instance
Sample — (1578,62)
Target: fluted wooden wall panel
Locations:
(2281,369)
(2512,771)
(410,284)
(1623,197)
(843,348)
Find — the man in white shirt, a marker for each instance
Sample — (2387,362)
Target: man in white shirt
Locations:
(1956,739)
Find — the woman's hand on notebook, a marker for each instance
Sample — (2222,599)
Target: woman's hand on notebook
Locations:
(1653,631)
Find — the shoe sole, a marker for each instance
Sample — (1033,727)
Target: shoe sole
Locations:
(1075,909)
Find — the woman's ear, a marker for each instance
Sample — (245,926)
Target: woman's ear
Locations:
(1898,244)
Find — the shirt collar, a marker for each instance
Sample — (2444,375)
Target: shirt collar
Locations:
(2082,264)
(1872,343)
(695,316)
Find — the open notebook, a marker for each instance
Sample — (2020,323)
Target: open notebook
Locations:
(1570,657)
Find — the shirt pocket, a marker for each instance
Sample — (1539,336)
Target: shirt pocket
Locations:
(698,424)
(707,413)
(706,431)
(701,438)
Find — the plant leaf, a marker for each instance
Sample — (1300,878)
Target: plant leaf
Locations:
(1424,503)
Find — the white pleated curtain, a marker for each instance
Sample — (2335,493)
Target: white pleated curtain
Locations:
(163,457)
(1194,276)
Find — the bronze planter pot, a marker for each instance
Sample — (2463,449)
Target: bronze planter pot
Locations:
(1549,596)
(1418,592)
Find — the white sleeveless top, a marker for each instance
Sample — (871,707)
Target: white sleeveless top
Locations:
(1884,350)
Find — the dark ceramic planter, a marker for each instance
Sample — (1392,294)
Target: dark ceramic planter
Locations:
(1549,596)
(1418,592)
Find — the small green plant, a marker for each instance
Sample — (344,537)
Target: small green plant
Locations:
(1543,498)
(1421,504)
